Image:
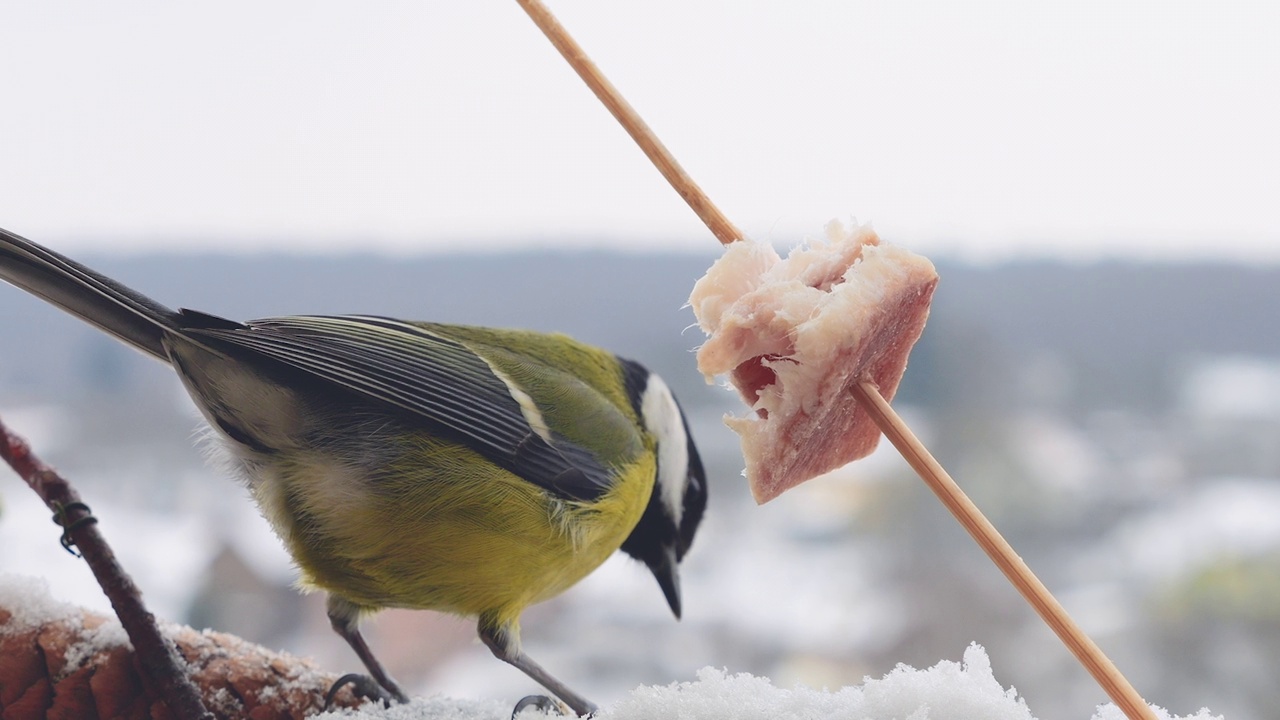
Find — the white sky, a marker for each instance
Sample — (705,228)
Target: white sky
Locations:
(960,128)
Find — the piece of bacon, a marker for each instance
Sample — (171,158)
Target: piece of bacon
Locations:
(794,335)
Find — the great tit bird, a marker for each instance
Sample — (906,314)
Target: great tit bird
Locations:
(418,465)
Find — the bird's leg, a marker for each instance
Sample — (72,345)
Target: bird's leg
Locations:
(345,619)
(504,641)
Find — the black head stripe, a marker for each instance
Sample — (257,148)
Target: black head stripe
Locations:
(635,378)
(695,495)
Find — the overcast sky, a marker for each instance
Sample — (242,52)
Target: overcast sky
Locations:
(975,129)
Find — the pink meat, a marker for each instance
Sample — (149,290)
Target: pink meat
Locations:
(794,335)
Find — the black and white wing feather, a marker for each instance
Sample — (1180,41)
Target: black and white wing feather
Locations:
(427,377)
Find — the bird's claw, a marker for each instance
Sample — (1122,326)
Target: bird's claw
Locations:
(545,704)
(362,686)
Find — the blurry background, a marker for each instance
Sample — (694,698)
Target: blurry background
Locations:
(1096,182)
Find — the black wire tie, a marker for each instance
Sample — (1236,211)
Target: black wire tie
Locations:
(62,514)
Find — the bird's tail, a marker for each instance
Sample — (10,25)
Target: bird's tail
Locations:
(90,296)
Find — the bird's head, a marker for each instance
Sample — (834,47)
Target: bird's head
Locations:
(666,529)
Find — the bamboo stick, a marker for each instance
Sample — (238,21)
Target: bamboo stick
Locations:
(1001,552)
(631,121)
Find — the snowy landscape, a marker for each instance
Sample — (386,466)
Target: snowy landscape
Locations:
(1144,490)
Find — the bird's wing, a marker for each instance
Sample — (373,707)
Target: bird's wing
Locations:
(428,377)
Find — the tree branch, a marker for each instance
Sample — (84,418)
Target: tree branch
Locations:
(157,656)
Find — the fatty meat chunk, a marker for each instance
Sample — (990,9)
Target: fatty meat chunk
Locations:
(794,336)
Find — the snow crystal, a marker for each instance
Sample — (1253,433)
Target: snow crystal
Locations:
(432,708)
(94,641)
(30,605)
(1111,712)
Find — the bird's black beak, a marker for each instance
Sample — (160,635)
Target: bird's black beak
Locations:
(667,571)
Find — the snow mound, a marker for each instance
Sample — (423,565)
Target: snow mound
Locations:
(28,604)
(966,690)
(946,691)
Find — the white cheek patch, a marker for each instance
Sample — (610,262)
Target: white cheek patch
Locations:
(662,419)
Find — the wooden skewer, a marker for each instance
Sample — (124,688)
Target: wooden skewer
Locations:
(631,121)
(1001,553)
(915,453)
